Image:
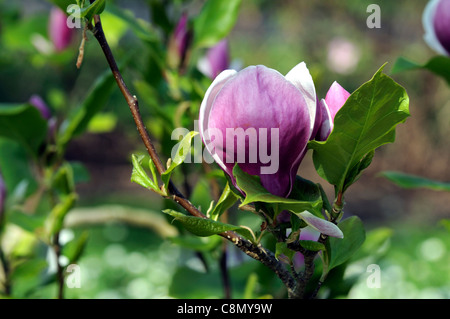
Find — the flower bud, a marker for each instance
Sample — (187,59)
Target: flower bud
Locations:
(60,34)
(436,22)
(38,103)
(327,109)
(179,42)
(216,60)
(247,115)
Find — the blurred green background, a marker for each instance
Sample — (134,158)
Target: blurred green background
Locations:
(406,236)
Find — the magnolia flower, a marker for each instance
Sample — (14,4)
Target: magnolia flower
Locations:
(216,60)
(246,113)
(60,34)
(327,109)
(436,22)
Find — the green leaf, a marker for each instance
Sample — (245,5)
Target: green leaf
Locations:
(63,180)
(94,8)
(55,220)
(184,148)
(366,121)
(74,249)
(204,227)
(312,245)
(215,21)
(226,200)
(356,171)
(413,181)
(197,243)
(439,65)
(62,4)
(78,120)
(139,175)
(15,167)
(255,192)
(338,250)
(24,124)
(282,249)
(27,222)
(141,28)
(320,224)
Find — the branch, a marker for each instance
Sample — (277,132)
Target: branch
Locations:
(257,252)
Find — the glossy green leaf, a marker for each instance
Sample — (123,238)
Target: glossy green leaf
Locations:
(24,124)
(312,245)
(215,21)
(197,243)
(139,175)
(204,227)
(255,192)
(183,150)
(226,200)
(366,121)
(439,65)
(412,181)
(92,9)
(339,250)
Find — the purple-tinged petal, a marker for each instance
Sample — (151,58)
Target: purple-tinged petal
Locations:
(302,79)
(38,103)
(442,24)
(262,100)
(60,34)
(430,36)
(336,98)
(321,225)
(326,123)
(216,60)
(205,110)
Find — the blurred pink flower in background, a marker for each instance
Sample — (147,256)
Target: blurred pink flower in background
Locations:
(60,34)
(216,60)
(343,56)
(436,22)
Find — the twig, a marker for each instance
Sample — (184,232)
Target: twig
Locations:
(59,269)
(257,252)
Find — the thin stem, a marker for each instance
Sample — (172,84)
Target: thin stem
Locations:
(59,271)
(257,252)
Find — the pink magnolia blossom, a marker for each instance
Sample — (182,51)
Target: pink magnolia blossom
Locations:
(436,22)
(60,34)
